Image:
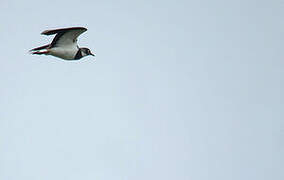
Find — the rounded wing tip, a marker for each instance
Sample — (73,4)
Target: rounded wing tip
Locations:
(82,28)
(44,32)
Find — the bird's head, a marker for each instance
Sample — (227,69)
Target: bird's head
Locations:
(86,52)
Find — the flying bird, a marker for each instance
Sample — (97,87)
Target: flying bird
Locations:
(64,44)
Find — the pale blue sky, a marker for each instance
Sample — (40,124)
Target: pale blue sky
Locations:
(179,90)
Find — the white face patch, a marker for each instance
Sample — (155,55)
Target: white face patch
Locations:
(84,53)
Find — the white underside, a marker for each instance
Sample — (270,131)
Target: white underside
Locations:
(64,53)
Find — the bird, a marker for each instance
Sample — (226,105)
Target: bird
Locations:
(64,44)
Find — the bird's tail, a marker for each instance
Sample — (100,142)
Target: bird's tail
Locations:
(39,52)
(39,48)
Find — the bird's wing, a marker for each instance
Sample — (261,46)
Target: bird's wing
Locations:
(65,37)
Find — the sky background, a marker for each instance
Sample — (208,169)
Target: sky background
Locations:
(179,90)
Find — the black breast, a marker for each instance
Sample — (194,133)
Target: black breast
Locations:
(78,54)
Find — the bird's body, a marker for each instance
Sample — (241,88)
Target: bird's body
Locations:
(64,45)
(64,53)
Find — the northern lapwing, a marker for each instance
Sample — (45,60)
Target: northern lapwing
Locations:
(64,44)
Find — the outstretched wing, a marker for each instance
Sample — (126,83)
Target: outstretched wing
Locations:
(65,37)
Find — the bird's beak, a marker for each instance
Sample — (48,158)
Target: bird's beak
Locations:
(93,54)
